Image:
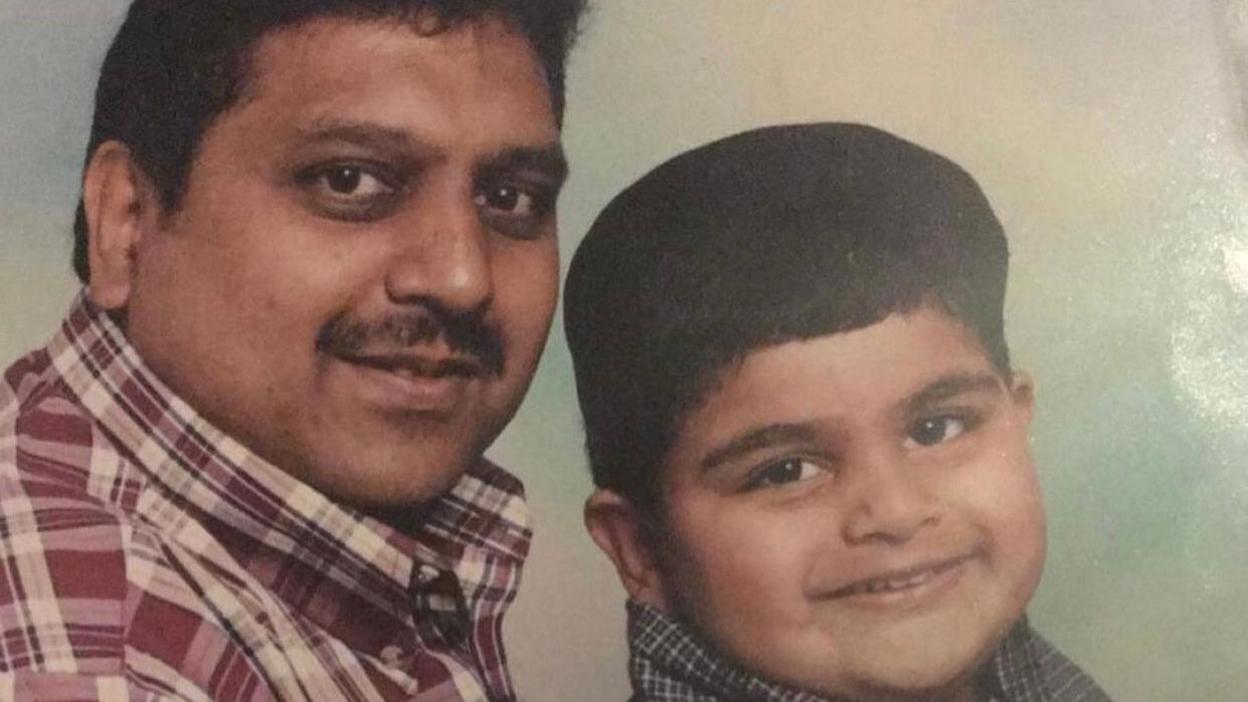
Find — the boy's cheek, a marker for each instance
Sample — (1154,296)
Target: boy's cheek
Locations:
(999,477)
(741,553)
(743,583)
(1005,503)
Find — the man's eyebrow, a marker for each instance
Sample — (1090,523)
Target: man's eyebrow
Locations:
(952,385)
(547,160)
(757,438)
(365,134)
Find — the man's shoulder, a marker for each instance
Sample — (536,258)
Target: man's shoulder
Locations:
(64,566)
(53,452)
(90,589)
(91,592)
(27,380)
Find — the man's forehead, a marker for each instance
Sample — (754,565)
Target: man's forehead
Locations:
(478,80)
(470,40)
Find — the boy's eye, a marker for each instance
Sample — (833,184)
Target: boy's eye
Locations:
(930,431)
(514,210)
(788,470)
(350,192)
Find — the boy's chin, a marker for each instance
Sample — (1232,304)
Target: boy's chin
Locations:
(896,671)
(932,674)
(934,684)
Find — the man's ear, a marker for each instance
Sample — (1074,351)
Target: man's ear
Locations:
(1023,393)
(616,526)
(121,204)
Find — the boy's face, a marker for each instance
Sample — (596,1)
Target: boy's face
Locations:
(856,514)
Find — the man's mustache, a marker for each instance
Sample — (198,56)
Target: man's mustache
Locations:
(463,333)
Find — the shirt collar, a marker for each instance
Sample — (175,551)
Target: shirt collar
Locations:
(668,663)
(478,528)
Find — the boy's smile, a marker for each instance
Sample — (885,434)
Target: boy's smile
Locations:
(856,514)
(906,585)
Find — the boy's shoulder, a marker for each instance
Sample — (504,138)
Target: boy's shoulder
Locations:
(1058,678)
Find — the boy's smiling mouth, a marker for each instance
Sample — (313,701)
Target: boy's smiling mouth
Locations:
(902,585)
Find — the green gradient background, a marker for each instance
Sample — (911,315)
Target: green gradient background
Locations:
(1109,138)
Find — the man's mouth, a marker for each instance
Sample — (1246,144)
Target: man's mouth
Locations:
(904,579)
(428,342)
(407,383)
(417,366)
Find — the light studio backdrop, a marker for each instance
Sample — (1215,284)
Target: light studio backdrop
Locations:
(1109,137)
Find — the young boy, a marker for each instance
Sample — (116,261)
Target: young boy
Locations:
(809,446)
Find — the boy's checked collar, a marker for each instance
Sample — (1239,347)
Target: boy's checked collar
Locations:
(667,663)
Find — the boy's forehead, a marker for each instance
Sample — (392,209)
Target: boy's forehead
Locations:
(932,326)
(889,361)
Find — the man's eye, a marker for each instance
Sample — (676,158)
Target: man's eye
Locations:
(507,199)
(353,182)
(350,192)
(788,470)
(514,210)
(930,431)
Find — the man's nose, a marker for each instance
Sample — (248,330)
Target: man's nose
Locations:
(442,254)
(889,502)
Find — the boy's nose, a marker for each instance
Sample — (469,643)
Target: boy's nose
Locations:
(443,256)
(887,501)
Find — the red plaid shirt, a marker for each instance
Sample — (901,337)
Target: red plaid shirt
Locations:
(145,555)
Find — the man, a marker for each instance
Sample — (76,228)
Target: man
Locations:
(318,243)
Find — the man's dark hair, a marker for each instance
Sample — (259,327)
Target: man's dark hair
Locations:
(774,235)
(176,65)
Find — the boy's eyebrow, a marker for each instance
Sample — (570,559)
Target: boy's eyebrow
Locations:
(757,438)
(952,385)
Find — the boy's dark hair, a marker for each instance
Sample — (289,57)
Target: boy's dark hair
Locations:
(773,235)
(176,65)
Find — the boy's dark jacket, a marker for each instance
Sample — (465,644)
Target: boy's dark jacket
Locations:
(668,664)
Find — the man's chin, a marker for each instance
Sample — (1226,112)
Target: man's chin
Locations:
(375,480)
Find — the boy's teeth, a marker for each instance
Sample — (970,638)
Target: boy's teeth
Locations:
(893,584)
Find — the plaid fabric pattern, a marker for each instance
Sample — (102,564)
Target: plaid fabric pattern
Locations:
(668,664)
(145,555)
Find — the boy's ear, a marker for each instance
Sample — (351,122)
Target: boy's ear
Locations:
(617,527)
(120,203)
(1023,393)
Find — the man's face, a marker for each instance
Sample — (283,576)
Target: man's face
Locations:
(857,514)
(360,278)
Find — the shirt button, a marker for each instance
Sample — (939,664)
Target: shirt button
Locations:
(391,654)
(426,574)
